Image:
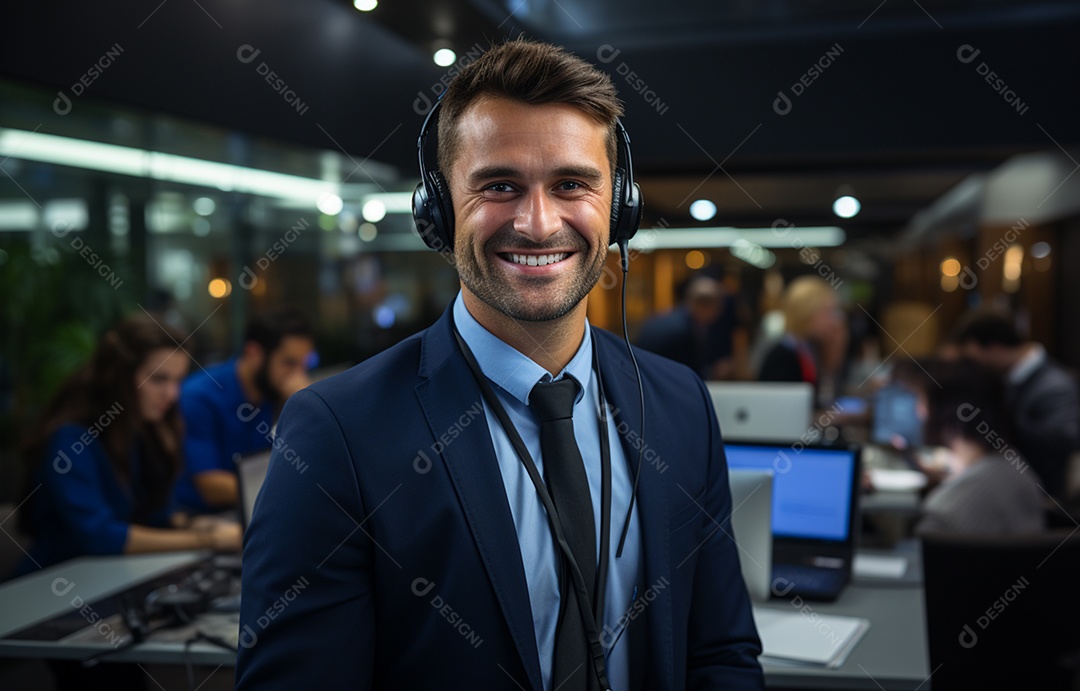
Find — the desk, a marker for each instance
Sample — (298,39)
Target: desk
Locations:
(892,654)
(66,587)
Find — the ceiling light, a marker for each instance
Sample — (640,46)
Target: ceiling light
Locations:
(365,5)
(126,160)
(374,211)
(444,57)
(703,210)
(330,204)
(204,206)
(846,206)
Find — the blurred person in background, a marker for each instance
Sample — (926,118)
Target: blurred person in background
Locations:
(1041,396)
(989,488)
(230,410)
(106,454)
(815,338)
(701,332)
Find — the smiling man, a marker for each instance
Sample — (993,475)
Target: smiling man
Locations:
(467,517)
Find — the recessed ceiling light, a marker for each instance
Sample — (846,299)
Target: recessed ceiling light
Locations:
(365,5)
(330,204)
(703,210)
(846,206)
(444,57)
(373,211)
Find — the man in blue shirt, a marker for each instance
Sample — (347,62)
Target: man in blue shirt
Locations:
(229,410)
(420,548)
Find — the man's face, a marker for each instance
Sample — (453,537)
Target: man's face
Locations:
(531,187)
(705,300)
(285,362)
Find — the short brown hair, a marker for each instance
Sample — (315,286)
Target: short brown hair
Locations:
(535,74)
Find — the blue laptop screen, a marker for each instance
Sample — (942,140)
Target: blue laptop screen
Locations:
(811,488)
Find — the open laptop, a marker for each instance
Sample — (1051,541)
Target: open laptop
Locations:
(250,474)
(814,514)
(751,522)
(762,411)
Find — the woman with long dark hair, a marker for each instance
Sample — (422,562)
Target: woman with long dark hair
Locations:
(106,454)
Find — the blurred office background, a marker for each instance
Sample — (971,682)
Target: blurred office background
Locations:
(207,159)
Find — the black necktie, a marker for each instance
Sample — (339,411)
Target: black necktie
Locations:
(564,472)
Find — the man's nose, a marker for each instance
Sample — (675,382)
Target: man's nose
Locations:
(537,216)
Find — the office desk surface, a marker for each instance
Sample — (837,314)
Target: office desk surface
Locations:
(892,654)
(68,587)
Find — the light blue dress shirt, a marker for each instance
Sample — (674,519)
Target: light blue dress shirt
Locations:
(513,376)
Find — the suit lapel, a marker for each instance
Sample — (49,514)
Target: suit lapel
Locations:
(620,383)
(449,391)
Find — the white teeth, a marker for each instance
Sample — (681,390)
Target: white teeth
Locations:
(538,260)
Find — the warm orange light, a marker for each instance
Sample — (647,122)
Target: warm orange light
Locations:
(695,259)
(219,288)
(950,267)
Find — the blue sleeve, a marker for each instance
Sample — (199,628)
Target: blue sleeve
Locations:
(75,482)
(203,447)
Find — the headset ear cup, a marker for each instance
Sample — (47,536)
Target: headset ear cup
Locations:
(619,180)
(630,218)
(433,213)
(445,206)
(422,217)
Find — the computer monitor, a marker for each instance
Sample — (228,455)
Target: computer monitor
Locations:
(814,487)
(896,420)
(762,411)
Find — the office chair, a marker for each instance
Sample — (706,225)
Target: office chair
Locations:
(1002,612)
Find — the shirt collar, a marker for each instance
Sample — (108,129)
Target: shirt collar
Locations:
(1034,357)
(512,370)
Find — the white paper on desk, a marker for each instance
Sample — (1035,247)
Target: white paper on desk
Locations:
(878,566)
(808,637)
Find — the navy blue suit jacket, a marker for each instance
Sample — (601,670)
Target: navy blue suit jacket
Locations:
(387,557)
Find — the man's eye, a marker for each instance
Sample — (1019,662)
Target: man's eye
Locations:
(570,185)
(499,187)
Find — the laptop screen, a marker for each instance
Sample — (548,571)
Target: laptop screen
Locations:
(812,488)
(896,420)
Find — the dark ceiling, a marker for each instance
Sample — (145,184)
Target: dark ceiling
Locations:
(886,103)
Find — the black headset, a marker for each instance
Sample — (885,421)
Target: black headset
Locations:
(433,210)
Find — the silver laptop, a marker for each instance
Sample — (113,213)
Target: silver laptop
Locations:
(751,523)
(762,411)
(250,473)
